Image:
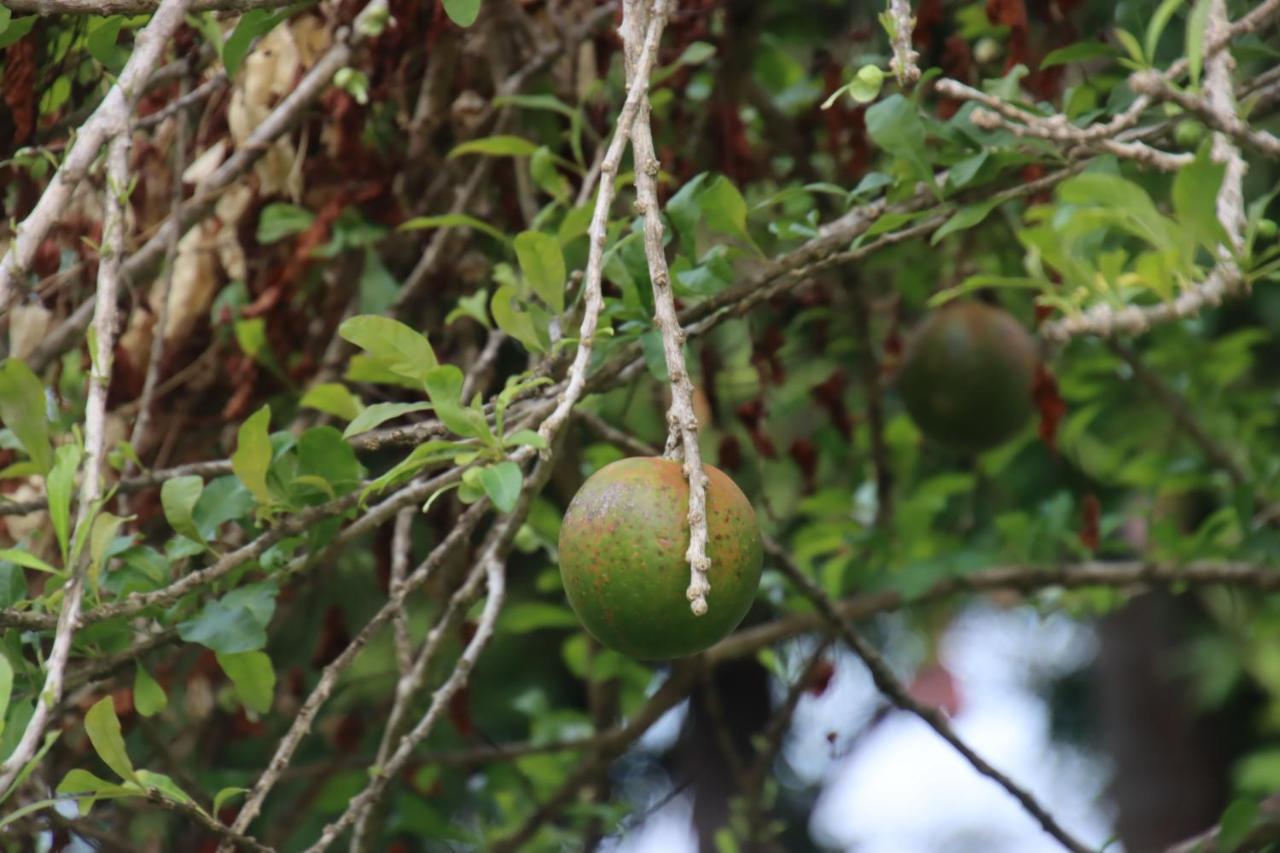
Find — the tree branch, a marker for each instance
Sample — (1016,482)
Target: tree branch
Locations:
(682,422)
(105,321)
(903,65)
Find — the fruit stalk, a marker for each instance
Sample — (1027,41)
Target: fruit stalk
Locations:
(682,423)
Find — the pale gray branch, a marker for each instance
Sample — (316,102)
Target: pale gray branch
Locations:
(109,119)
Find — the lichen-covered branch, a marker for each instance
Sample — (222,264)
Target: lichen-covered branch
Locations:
(105,321)
(905,58)
(996,113)
(682,422)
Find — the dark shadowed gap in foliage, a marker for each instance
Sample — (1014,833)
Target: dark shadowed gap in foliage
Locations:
(1171,762)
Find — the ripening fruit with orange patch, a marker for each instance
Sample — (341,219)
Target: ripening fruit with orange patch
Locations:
(622,558)
(967,376)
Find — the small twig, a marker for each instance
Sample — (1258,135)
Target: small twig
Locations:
(897,693)
(872,387)
(187,99)
(204,820)
(142,424)
(997,113)
(903,65)
(401,543)
(1155,86)
(105,321)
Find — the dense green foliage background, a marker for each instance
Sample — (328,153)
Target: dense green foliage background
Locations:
(445,179)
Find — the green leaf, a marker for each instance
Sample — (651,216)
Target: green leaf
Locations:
(178,498)
(60,484)
(281,219)
(366,368)
(393,344)
(332,398)
(220,798)
(379,413)
(444,386)
(253,24)
(966,217)
(27,769)
(23,410)
(153,781)
(103,727)
(963,172)
(17,28)
(323,453)
(512,320)
(253,455)
(1156,28)
(1077,52)
(101,42)
(105,527)
(224,499)
(1195,195)
(6,688)
(525,437)
(542,265)
(525,616)
(895,126)
(422,456)
(253,677)
(1235,824)
(148,696)
(462,12)
(452,220)
(237,622)
(27,561)
(1197,23)
(80,782)
(980,282)
(1130,43)
(502,484)
(496,146)
(724,210)
(548,103)
(542,168)
(472,306)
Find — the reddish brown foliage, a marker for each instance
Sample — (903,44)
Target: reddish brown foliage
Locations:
(1090,512)
(1050,404)
(20,87)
